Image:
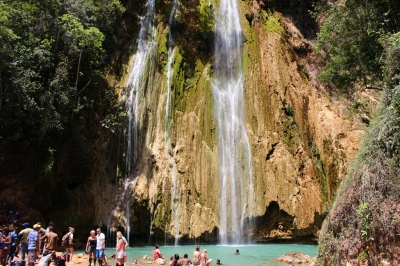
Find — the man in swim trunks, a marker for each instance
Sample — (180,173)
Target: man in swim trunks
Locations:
(101,240)
(196,256)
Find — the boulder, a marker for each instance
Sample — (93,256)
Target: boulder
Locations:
(295,258)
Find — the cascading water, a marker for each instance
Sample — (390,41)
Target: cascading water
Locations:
(235,167)
(142,66)
(167,139)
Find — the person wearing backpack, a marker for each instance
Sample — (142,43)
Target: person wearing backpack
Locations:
(67,241)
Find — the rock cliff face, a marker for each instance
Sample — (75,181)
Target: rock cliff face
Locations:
(301,136)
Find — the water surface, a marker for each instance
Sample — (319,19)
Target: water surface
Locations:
(250,255)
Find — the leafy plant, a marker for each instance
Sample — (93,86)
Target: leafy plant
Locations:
(365,217)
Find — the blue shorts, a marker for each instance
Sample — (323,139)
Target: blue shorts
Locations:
(99,253)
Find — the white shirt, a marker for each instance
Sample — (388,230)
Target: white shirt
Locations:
(100,239)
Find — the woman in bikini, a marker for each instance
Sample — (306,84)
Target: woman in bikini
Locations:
(120,250)
(91,247)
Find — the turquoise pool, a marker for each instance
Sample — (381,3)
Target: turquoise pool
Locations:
(250,255)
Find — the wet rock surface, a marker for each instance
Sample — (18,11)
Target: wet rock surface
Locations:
(295,258)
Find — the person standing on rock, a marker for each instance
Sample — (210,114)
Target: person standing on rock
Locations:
(23,236)
(33,245)
(196,256)
(100,244)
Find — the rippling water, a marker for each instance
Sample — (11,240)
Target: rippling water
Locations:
(250,255)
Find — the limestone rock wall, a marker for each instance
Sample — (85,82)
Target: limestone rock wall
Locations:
(301,137)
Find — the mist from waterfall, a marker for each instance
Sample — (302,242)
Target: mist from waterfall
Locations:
(168,146)
(141,67)
(235,164)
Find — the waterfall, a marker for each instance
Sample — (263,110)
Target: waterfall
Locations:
(168,147)
(141,69)
(235,164)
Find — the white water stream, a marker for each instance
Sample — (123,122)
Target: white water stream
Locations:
(235,167)
(168,147)
(141,68)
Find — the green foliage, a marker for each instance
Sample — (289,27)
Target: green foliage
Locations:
(53,94)
(52,55)
(364,214)
(363,255)
(206,16)
(363,210)
(272,23)
(350,36)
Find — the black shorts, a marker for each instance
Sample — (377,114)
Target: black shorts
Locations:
(91,249)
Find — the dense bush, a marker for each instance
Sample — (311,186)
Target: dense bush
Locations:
(364,222)
(53,95)
(350,37)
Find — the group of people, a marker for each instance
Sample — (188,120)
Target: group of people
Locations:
(31,242)
(8,216)
(95,248)
(199,258)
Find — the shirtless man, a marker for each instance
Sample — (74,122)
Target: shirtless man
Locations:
(196,256)
(50,239)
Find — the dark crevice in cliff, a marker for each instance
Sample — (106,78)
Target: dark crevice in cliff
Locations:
(277,226)
(271,151)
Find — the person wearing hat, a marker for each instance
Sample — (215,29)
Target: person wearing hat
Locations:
(33,245)
(41,232)
(23,235)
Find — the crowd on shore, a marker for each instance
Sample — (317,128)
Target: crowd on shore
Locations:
(35,244)
(32,245)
